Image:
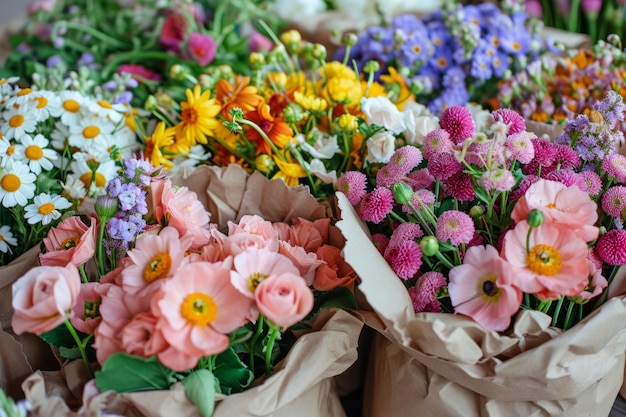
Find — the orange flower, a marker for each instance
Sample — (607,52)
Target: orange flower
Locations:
(239,95)
(404,94)
(274,127)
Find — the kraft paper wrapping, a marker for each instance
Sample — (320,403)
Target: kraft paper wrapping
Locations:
(302,383)
(436,364)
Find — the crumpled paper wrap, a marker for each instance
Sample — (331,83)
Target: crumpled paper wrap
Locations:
(437,364)
(302,383)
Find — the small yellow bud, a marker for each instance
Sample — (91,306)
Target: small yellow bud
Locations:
(291,37)
(348,122)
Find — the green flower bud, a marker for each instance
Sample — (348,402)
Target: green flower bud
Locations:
(476,212)
(349,39)
(371,66)
(535,218)
(265,164)
(402,193)
(429,245)
(106,207)
(151,103)
(236,113)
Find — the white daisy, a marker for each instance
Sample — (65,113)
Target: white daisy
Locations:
(7,152)
(91,132)
(19,121)
(105,171)
(73,188)
(21,96)
(60,136)
(45,208)
(45,104)
(6,239)
(105,109)
(17,185)
(6,85)
(72,103)
(35,153)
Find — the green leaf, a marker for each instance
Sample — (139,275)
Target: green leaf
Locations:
(340,297)
(122,372)
(232,373)
(200,389)
(59,337)
(240,335)
(69,353)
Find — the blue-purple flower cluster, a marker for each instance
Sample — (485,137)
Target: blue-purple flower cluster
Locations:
(448,55)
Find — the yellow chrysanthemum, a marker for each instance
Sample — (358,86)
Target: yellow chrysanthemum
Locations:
(310,102)
(337,70)
(161,138)
(198,117)
(343,90)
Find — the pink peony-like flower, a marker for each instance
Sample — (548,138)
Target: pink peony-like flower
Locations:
(611,247)
(352,184)
(460,186)
(252,266)
(72,241)
(85,313)
(443,165)
(458,122)
(43,298)
(520,147)
(186,213)
(405,258)
(555,265)
(284,299)
(306,262)
(567,207)
(334,272)
(141,337)
(196,313)
(511,118)
(614,201)
(424,293)
(483,288)
(437,141)
(375,206)
(201,47)
(456,226)
(139,70)
(615,166)
(310,235)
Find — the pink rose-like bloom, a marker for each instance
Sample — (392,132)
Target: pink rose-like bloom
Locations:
(424,293)
(597,283)
(611,247)
(141,337)
(44,297)
(310,235)
(483,288)
(201,47)
(458,122)
(139,70)
(375,206)
(252,266)
(198,307)
(72,241)
(456,226)
(186,213)
(86,315)
(556,264)
(567,207)
(334,272)
(306,262)
(284,299)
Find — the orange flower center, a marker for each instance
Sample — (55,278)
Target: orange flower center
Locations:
(10,150)
(10,183)
(24,92)
(91,132)
(105,104)
(158,267)
(189,116)
(87,176)
(41,102)
(255,279)
(46,208)
(71,106)
(16,121)
(70,242)
(544,260)
(199,309)
(33,152)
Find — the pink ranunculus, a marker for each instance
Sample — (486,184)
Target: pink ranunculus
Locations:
(72,241)
(186,213)
(140,70)
(198,307)
(284,299)
(173,31)
(309,234)
(334,272)
(555,265)
(482,288)
(282,230)
(252,266)
(258,42)
(201,47)
(141,337)
(306,262)
(568,208)
(44,297)
(86,314)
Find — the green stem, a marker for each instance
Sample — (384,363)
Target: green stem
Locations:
(557,310)
(83,275)
(572,21)
(255,338)
(100,248)
(274,333)
(80,344)
(95,33)
(444,260)
(568,316)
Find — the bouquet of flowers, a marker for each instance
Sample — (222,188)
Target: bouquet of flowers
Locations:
(158,295)
(521,238)
(140,38)
(454,55)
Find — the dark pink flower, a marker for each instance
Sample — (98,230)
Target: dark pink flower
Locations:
(352,184)
(443,165)
(424,293)
(173,31)
(405,231)
(460,186)
(139,70)
(405,258)
(458,122)
(201,47)
(510,118)
(611,247)
(566,157)
(375,206)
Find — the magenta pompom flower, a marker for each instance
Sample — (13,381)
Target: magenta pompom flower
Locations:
(352,184)
(456,226)
(201,47)
(590,183)
(424,293)
(405,231)
(443,165)
(405,258)
(419,178)
(375,206)
(458,122)
(566,157)
(614,201)
(405,159)
(615,166)
(460,186)
(611,247)
(437,141)
(512,119)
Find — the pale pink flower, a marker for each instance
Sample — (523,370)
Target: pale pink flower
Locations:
(555,265)
(201,47)
(483,289)
(520,147)
(284,299)
(497,179)
(334,271)
(615,166)
(456,226)
(305,262)
(258,42)
(424,293)
(86,314)
(43,298)
(567,207)
(186,213)
(614,201)
(72,241)
(252,266)
(597,283)
(198,307)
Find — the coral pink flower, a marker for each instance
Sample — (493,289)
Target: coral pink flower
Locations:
(44,297)
(252,266)
(352,184)
(456,226)
(567,207)
(284,299)
(597,283)
(305,262)
(611,247)
(253,224)
(72,241)
(334,272)
(141,337)
(139,70)
(186,213)
(154,258)
(86,314)
(555,265)
(309,234)
(198,307)
(201,47)
(458,122)
(482,288)
(424,293)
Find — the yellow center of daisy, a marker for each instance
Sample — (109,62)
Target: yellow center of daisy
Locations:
(130,122)
(71,106)
(544,260)
(33,152)
(105,104)
(91,132)
(16,121)
(46,208)
(189,116)
(24,92)
(158,267)
(489,287)
(10,183)
(87,176)
(255,279)
(199,309)
(10,150)
(70,242)
(41,102)
(1,238)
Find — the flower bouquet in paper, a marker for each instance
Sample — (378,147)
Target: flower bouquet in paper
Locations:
(493,260)
(148,294)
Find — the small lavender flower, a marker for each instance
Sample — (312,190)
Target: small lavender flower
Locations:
(124,97)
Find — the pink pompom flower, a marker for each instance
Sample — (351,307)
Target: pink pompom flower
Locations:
(511,118)
(458,122)
(455,226)
(611,247)
(353,184)
(424,293)
(375,206)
